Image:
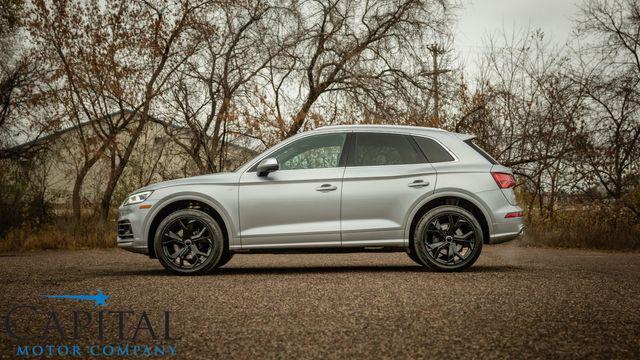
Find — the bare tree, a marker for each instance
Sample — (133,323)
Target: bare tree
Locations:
(368,53)
(19,93)
(211,89)
(108,59)
(609,75)
(523,110)
(611,134)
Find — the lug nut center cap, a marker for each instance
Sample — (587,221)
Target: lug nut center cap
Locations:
(188,242)
(449,238)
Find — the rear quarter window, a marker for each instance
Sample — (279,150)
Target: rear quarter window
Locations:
(432,150)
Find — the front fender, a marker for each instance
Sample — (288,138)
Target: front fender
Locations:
(230,224)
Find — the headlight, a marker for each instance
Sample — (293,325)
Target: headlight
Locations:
(137,198)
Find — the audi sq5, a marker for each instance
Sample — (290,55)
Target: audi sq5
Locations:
(430,193)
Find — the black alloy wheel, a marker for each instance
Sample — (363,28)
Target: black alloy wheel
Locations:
(189,241)
(448,238)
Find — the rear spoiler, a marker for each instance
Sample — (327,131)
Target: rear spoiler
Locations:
(465,137)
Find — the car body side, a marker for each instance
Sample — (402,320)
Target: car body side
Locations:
(468,181)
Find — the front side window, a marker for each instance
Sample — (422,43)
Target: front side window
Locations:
(373,149)
(313,152)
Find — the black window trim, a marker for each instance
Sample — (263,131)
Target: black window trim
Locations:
(481,151)
(349,148)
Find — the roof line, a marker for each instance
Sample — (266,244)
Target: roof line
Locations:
(382,126)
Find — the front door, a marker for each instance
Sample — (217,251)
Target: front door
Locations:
(299,204)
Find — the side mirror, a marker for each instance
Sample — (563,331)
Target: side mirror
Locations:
(266,166)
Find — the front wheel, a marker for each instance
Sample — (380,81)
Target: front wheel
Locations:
(189,242)
(448,238)
(226,257)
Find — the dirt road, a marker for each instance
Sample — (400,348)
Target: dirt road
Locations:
(523,302)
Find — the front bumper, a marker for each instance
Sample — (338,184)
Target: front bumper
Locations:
(131,229)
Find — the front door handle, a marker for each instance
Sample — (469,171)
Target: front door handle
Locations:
(326,187)
(418,183)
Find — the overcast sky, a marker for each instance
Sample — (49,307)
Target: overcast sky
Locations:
(480,18)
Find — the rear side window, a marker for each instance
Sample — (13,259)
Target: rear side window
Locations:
(372,149)
(479,150)
(432,150)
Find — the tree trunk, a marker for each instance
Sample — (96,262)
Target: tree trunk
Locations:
(82,174)
(118,169)
(105,202)
(298,120)
(77,188)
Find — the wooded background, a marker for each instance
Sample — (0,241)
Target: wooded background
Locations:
(565,118)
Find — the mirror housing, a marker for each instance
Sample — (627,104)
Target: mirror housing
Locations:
(266,166)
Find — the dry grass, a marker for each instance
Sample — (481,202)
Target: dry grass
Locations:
(62,233)
(606,227)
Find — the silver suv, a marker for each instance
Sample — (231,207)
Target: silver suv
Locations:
(429,192)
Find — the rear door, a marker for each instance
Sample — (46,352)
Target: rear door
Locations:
(386,175)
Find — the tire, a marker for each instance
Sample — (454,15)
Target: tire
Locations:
(412,255)
(226,257)
(189,242)
(448,238)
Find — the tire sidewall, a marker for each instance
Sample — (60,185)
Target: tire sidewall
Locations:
(420,250)
(224,259)
(217,248)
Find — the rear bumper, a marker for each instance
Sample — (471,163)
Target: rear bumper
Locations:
(501,228)
(507,236)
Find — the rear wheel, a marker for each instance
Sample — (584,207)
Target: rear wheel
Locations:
(189,242)
(447,238)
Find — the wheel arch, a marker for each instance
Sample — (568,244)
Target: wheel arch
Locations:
(186,201)
(465,201)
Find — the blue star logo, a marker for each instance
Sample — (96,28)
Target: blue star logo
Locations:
(99,299)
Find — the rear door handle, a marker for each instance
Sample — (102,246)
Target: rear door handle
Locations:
(326,187)
(418,184)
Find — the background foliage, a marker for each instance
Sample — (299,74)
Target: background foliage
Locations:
(566,119)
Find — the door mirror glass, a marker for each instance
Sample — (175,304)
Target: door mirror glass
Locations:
(266,166)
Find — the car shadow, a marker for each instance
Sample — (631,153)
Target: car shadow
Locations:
(302,270)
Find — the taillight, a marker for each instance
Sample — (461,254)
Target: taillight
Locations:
(514,215)
(504,180)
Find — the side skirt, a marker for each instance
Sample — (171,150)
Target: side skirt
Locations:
(346,250)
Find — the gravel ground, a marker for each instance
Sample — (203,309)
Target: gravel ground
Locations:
(515,302)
